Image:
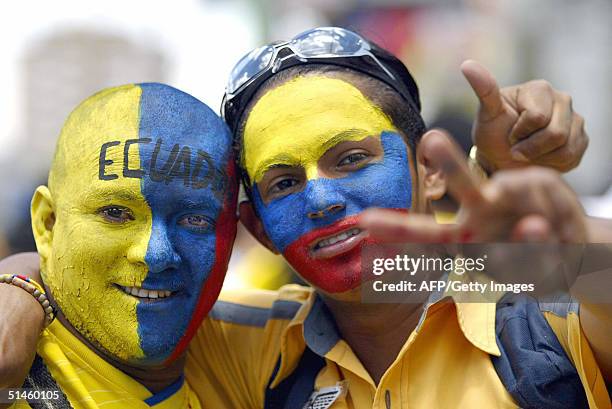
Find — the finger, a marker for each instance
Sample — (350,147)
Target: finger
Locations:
(445,155)
(390,226)
(532,229)
(569,155)
(541,192)
(568,219)
(546,140)
(534,103)
(485,87)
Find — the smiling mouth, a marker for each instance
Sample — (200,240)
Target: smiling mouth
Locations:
(338,243)
(336,238)
(145,294)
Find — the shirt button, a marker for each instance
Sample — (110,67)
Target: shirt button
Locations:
(388,399)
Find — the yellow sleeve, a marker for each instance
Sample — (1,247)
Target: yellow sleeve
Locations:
(575,344)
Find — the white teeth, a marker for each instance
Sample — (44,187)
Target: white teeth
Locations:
(339,237)
(142,293)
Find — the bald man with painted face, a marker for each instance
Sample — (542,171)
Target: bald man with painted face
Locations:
(134,232)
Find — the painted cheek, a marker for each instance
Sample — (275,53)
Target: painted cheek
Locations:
(93,258)
(384,184)
(225,233)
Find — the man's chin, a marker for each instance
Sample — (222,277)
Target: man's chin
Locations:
(338,274)
(150,359)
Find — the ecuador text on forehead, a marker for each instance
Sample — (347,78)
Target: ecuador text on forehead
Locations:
(193,166)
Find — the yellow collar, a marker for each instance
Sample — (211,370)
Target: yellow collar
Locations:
(314,326)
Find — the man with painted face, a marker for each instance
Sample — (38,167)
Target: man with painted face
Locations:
(272,323)
(134,232)
(326,136)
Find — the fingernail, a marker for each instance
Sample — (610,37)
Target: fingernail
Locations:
(519,157)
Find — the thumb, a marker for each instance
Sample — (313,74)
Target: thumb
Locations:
(443,154)
(485,87)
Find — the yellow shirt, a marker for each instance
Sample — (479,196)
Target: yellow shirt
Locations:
(445,363)
(89,382)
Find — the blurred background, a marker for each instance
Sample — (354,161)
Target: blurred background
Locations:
(55,54)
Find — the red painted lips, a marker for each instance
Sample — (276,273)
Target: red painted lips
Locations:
(330,257)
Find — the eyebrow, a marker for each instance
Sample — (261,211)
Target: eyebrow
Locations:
(284,160)
(206,203)
(281,160)
(109,195)
(343,136)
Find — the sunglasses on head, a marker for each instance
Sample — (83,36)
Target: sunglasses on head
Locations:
(323,45)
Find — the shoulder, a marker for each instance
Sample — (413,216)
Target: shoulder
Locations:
(254,308)
(238,344)
(258,316)
(544,350)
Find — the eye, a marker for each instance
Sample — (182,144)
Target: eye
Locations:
(282,185)
(353,158)
(197,222)
(116,214)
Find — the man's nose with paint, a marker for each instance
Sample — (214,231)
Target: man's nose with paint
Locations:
(309,190)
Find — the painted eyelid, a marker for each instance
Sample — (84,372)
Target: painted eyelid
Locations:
(210,222)
(281,178)
(100,211)
(367,155)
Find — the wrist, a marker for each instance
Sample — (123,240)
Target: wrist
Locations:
(21,303)
(31,290)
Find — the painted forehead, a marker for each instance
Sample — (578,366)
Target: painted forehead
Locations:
(298,121)
(145,132)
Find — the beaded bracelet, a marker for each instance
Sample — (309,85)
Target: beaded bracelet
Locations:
(35,289)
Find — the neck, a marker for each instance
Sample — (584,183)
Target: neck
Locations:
(154,378)
(375,332)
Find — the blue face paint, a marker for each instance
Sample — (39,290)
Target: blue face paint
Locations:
(185,152)
(383,184)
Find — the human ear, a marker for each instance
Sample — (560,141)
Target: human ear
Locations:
(433,179)
(43,220)
(253,224)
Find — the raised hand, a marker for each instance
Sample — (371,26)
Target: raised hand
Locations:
(531,123)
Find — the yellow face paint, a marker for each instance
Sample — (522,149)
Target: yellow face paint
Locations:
(87,255)
(295,123)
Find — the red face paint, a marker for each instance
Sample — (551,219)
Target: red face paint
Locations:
(340,272)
